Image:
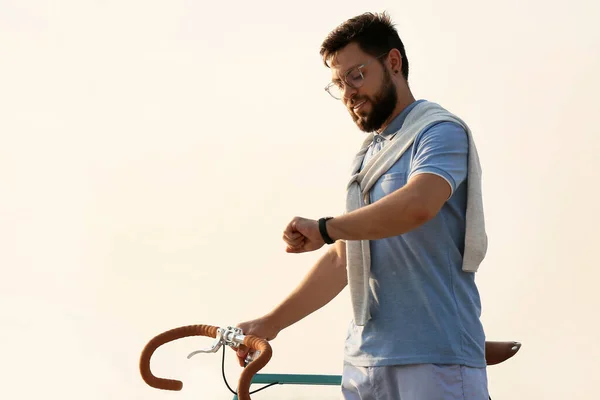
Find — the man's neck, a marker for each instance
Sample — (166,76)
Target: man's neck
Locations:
(401,104)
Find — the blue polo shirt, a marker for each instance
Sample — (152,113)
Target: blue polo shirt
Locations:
(424,307)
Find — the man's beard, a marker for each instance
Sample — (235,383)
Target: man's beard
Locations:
(382,106)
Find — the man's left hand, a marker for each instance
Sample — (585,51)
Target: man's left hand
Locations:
(302,235)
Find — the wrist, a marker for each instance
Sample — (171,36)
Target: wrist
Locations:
(325,235)
(273,321)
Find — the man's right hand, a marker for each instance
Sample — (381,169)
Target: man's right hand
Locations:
(262,327)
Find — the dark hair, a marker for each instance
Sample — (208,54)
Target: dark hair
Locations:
(374,33)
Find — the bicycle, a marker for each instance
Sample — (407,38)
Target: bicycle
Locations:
(495,353)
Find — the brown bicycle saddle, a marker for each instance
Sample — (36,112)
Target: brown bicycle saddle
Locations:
(497,352)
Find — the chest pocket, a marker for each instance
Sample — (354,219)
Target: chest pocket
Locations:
(386,184)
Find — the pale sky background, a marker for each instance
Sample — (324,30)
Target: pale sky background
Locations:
(151,154)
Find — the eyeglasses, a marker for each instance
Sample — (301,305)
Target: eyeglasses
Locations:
(354,78)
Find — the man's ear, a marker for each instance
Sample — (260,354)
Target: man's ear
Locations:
(395,61)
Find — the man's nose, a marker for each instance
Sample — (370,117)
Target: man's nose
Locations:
(348,92)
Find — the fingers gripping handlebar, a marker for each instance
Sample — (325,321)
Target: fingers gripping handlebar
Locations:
(230,336)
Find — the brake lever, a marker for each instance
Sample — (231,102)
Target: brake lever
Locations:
(224,337)
(251,357)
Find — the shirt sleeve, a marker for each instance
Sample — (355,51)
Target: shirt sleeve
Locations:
(442,150)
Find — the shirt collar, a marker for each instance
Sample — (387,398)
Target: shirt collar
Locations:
(393,127)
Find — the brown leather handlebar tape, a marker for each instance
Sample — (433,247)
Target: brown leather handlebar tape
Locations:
(165,337)
(251,369)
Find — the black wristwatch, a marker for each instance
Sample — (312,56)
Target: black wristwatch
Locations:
(323,230)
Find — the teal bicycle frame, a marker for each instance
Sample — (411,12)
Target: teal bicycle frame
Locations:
(296,379)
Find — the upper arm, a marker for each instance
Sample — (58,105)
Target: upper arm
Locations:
(439,164)
(442,150)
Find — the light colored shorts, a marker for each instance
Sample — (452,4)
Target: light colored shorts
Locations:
(414,382)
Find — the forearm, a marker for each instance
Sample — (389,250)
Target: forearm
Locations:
(323,283)
(393,215)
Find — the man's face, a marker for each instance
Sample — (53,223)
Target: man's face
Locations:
(371,104)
